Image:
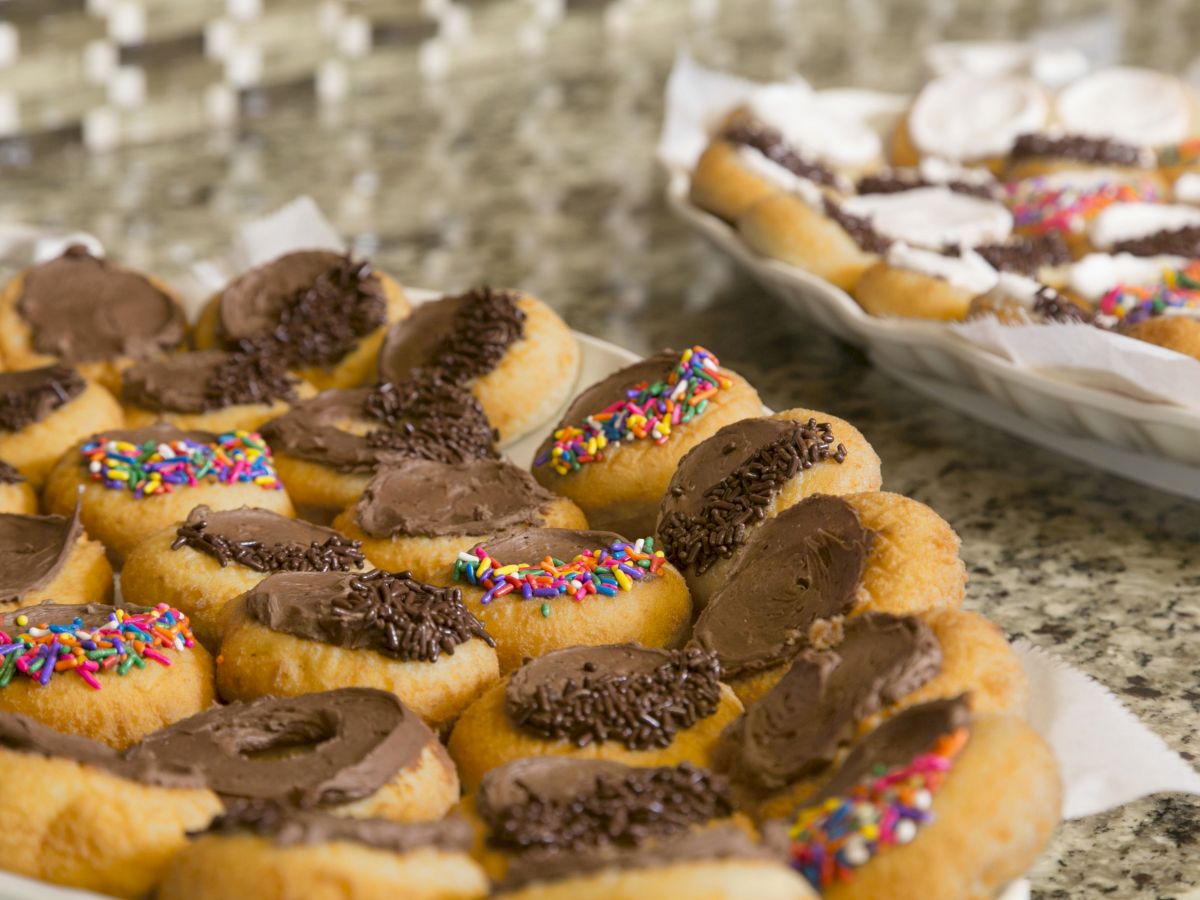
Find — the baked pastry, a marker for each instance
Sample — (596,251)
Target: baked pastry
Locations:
(641,706)
(202,563)
(618,443)
(933,171)
(89,313)
(64,791)
(322,312)
(131,483)
(276,852)
(210,390)
(558,828)
(44,411)
(354,752)
(933,216)
(911,282)
(1018,300)
(16,494)
(948,806)
(50,558)
(544,589)
(874,667)
(1147,229)
(415,514)
(1046,152)
(968,118)
(748,161)
(1136,106)
(1152,289)
(122,672)
(296,633)
(824,558)
(516,355)
(327,448)
(749,471)
(1178,333)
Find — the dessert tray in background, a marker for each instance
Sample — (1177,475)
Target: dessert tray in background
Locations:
(1116,403)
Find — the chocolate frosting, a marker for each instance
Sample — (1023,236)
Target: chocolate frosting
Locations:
(797,729)
(1025,255)
(310,307)
(9,474)
(896,742)
(725,484)
(423,497)
(532,545)
(388,613)
(267,542)
(771,144)
(610,389)
(796,569)
(29,395)
(1051,306)
(24,735)
(326,748)
(859,228)
(463,336)
(205,380)
(714,842)
(558,803)
(641,697)
(289,826)
(81,308)
(425,417)
(1097,151)
(1179,242)
(895,181)
(33,550)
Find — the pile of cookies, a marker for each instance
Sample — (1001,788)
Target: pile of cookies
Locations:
(993,196)
(695,650)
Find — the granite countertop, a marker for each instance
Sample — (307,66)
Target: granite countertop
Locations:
(535,168)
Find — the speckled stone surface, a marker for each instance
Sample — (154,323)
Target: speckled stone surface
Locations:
(538,172)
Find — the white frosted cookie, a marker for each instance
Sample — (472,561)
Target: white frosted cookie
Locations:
(970,117)
(933,217)
(1098,273)
(1131,221)
(815,128)
(1138,106)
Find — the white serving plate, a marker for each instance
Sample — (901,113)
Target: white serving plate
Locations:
(598,359)
(1155,444)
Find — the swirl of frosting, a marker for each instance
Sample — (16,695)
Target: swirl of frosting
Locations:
(1136,106)
(971,117)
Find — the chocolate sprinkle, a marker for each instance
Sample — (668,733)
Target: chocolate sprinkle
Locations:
(484,327)
(250,376)
(9,474)
(641,710)
(1050,306)
(335,554)
(1099,151)
(741,498)
(429,417)
(321,323)
(858,227)
(895,181)
(407,619)
(622,811)
(38,393)
(770,143)
(1025,255)
(1180,242)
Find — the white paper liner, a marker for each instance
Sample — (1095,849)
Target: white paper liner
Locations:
(698,99)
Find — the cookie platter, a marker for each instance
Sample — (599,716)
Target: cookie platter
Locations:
(1103,416)
(642,716)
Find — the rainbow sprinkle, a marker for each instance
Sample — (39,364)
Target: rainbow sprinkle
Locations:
(841,834)
(158,468)
(650,410)
(126,640)
(1179,289)
(1041,205)
(1185,154)
(604,571)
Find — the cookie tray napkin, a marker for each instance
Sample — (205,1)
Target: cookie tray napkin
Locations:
(1106,756)
(1094,385)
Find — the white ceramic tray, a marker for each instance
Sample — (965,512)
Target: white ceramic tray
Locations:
(1155,444)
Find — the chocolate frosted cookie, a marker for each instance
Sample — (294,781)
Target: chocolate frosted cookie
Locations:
(510,349)
(747,472)
(357,750)
(322,313)
(50,558)
(202,563)
(87,312)
(376,629)
(415,515)
(623,702)
(274,851)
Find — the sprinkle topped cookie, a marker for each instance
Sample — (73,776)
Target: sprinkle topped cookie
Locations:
(145,468)
(1177,292)
(649,411)
(1065,201)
